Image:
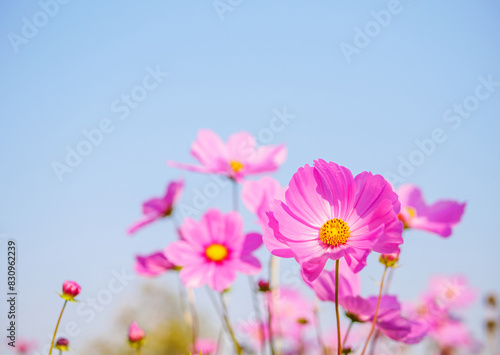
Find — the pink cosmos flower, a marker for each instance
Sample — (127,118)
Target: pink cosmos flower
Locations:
(329,214)
(212,250)
(235,159)
(205,347)
(452,333)
(257,333)
(450,292)
(152,265)
(257,194)
(135,334)
(24,346)
(438,218)
(291,313)
(157,208)
(70,290)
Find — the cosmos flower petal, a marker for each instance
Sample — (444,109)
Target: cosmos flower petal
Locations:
(304,202)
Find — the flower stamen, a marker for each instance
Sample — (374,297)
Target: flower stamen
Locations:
(216,252)
(334,232)
(236,166)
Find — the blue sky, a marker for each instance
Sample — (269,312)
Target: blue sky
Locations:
(228,72)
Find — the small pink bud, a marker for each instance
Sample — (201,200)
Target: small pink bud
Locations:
(62,344)
(135,335)
(70,290)
(264,286)
(389,260)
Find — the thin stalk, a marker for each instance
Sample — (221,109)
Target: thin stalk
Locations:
(237,346)
(57,326)
(374,342)
(339,336)
(235,196)
(256,307)
(347,333)
(376,312)
(274,285)
(139,352)
(193,314)
(319,334)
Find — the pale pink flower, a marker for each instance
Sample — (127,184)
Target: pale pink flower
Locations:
(237,158)
(159,207)
(213,250)
(25,346)
(450,292)
(438,218)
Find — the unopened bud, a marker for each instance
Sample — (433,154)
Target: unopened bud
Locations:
(70,290)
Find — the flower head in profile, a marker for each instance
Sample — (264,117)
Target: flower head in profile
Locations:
(213,250)
(136,335)
(152,265)
(438,218)
(62,344)
(236,158)
(159,207)
(70,290)
(329,214)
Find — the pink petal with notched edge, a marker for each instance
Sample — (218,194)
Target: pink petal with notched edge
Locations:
(152,265)
(241,146)
(273,239)
(324,285)
(210,150)
(266,159)
(257,195)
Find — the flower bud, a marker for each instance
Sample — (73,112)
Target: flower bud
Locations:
(136,335)
(70,290)
(389,260)
(264,286)
(62,344)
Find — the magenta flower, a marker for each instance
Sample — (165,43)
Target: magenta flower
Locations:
(324,285)
(212,250)
(157,208)
(152,265)
(329,214)
(205,347)
(136,335)
(235,159)
(70,290)
(438,218)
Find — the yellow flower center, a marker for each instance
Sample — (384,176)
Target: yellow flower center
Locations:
(334,232)
(412,213)
(216,252)
(236,166)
